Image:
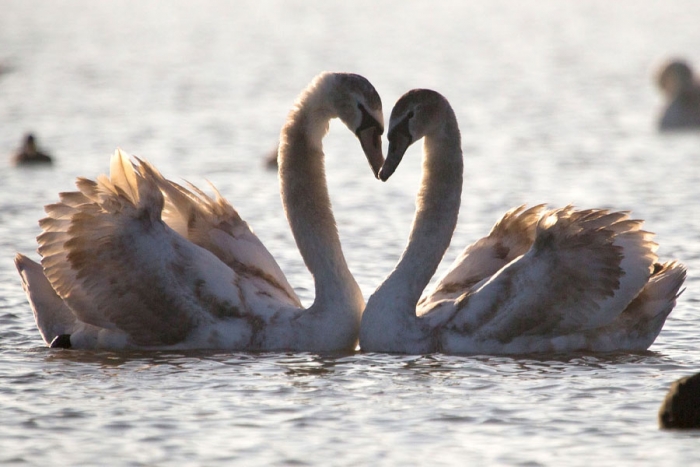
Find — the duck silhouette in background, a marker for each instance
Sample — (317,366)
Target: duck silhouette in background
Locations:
(681,407)
(28,154)
(677,83)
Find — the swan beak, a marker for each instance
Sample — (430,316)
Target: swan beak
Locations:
(371,141)
(398,144)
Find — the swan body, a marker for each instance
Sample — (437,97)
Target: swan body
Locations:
(542,281)
(134,260)
(676,81)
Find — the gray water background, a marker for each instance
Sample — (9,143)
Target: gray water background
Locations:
(556,104)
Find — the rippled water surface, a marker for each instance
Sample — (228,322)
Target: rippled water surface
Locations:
(556,104)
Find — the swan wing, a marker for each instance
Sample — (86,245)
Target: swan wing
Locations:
(212,223)
(115,263)
(509,238)
(583,270)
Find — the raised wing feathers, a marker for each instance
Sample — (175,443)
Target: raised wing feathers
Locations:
(509,238)
(213,224)
(583,269)
(117,265)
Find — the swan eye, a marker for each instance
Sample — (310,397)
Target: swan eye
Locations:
(410,114)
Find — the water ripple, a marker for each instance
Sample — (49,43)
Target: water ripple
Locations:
(551,110)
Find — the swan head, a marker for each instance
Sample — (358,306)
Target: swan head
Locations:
(359,107)
(674,76)
(415,114)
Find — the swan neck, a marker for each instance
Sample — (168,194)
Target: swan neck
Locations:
(437,209)
(307,203)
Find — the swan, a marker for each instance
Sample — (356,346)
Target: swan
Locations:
(136,261)
(542,280)
(29,154)
(675,80)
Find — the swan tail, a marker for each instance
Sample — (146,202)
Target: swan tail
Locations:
(648,312)
(509,238)
(640,323)
(53,317)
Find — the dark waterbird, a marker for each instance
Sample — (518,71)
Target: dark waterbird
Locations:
(29,154)
(681,407)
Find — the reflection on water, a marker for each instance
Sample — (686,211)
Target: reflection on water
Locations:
(555,103)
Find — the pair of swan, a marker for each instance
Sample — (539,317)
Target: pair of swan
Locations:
(682,91)
(136,261)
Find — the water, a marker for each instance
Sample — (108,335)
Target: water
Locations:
(556,104)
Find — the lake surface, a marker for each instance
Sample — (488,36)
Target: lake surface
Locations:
(556,104)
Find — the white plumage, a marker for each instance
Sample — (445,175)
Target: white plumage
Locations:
(136,261)
(541,281)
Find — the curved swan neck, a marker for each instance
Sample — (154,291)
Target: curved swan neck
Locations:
(305,194)
(437,208)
